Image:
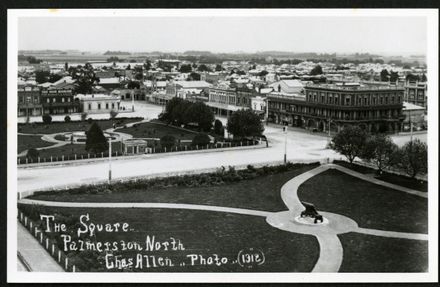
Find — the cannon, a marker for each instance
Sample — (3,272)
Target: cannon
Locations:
(311,211)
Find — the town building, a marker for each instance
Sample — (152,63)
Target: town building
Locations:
(98,103)
(59,99)
(415,115)
(416,93)
(324,106)
(223,100)
(288,86)
(29,101)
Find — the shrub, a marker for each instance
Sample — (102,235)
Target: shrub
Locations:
(67,119)
(47,119)
(89,120)
(96,141)
(167,141)
(218,128)
(113,114)
(201,139)
(32,154)
(83,116)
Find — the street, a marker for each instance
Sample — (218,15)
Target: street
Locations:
(301,146)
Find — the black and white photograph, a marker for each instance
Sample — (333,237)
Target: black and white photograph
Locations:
(212,145)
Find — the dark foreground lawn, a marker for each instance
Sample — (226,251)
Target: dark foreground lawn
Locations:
(28,142)
(401,180)
(261,193)
(368,253)
(201,232)
(370,205)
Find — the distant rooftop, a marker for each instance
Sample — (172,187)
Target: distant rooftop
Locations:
(353,87)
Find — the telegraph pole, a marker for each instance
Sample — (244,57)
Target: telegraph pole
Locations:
(110,160)
(285,144)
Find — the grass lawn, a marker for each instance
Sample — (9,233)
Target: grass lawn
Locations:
(370,205)
(70,150)
(368,253)
(401,180)
(59,127)
(155,130)
(262,193)
(201,232)
(28,142)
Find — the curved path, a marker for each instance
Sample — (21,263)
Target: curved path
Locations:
(331,250)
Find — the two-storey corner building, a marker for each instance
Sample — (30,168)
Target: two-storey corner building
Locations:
(59,100)
(222,100)
(324,106)
(416,93)
(29,101)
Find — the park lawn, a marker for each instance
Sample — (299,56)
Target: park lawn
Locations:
(262,193)
(69,151)
(201,232)
(28,142)
(370,205)
(402,180)
(60,127)
(368,253)
(156,130)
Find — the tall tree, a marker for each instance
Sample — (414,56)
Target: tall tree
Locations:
(384,75)
(413,157)
(245,123)
(201,114)
(317,70)
(185,68)
(96,141)
(380,150)
(350,142)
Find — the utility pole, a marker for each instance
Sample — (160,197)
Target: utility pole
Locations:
(285,144)
(410,126)
(110,160)
(132,100)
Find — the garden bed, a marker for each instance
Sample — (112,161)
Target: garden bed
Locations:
(28,142)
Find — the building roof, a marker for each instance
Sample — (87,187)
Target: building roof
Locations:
(411,107)
(108,81)
(94,97)
(193,84)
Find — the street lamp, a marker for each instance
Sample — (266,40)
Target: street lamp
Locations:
(110,160)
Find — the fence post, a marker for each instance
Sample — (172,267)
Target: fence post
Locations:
(73,268)
(197,147)
(59,256)
(38,159)
(41,237)
(62,157)
(21,216)
(26,160)
(75,156)
(50,158)
(207,146)
(66,261)
(165,149)
(18,160)
(30,224)
(102,154)
(53,249)
(25,221)
(47,243)
(186,148)
(88,155)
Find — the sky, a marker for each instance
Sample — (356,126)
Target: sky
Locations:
(385,35)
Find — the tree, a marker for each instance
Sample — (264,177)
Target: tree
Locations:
(218,128)
(96,141)
(194,76)
(200,114)
(218,68)
(167,115)
(424,78)
(245,123)
(380,150)
(54,77)
(350,142)
(185,68)
(133,85)
(167,141)
(263,73)
(83,116)
(201,139)
(66,66)
(394,76)
(384,75)
(203,68)
(42,76)
(33,60)
(113,59)
(47,119)
(113,114)
(128,67)
(32,154)
(413,158)
(317,70)
(67,119)
(84,85)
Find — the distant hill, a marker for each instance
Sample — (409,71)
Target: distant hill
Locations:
(119,53)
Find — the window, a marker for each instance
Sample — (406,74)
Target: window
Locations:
(347,100)
(48,100)
(90,106)
(68,100)
(99,106)
(106,106)
(113,105)
(62,100)
(53,100)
